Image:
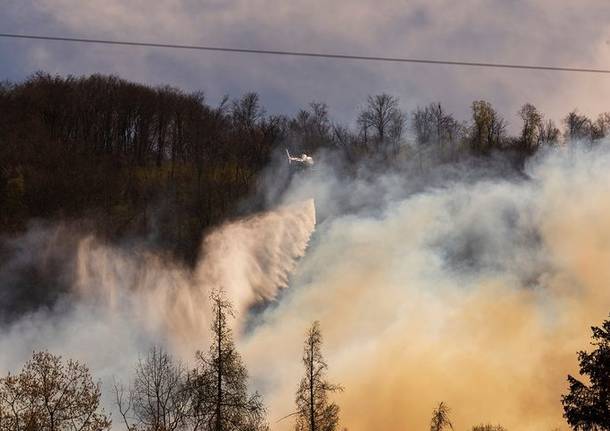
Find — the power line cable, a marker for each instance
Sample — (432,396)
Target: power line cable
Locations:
(309,54)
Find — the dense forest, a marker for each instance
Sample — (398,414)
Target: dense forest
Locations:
(136,160)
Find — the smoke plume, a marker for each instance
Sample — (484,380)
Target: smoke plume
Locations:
(476,292)
(464,284)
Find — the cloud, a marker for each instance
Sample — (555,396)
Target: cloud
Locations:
(547,32)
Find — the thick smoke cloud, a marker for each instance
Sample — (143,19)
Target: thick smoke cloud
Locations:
(465,284)
(475,292)
(117,302)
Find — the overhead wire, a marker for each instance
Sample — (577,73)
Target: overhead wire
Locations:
(324,55)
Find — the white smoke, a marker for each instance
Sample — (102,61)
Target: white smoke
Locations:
(125,300)
(250,259)
(473,291)
(464,284)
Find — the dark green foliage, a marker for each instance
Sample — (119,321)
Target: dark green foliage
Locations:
(587,406)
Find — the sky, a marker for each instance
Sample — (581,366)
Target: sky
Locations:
(544,32)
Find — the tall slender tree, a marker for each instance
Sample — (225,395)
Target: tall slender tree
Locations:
(314,411)
(488,128)
(221,400)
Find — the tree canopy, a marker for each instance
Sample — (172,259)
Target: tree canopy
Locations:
(131,159)
(53,395)
(586,406)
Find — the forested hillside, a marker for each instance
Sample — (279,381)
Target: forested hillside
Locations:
(133,159)
(441,234)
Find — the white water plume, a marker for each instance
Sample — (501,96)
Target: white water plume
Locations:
(125,300)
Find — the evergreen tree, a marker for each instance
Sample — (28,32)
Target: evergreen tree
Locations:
(158,398)
(440,418)
(587,407)
(314,411)
(219,384)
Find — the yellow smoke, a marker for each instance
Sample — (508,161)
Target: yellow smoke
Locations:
(405,328)
(477,293)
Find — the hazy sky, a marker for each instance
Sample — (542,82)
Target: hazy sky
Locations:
(553,32)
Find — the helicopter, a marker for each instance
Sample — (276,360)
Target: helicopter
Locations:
(303,159)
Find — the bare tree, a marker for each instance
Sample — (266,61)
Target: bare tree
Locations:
(549,133)
(158,399)
(601,127)
(53,395)
(219,385)
(248,138)
(314,411)
(310,129)
(577,126)
(247,111)
(440,418)
(488,129)
(530,138)
(349,143)
(586,406)
(435,128)
(382,123)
